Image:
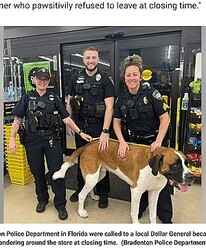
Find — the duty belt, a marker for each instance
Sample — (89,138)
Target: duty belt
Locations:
(135,137)
(42,132)
(91,120)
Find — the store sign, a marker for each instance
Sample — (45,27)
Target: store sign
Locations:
(29,69)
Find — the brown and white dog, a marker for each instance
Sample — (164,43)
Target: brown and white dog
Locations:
(141,169)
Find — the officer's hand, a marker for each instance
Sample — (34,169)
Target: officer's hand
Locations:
(123,147)
(103,141)
(86,137)
(70,131)
(12,145)
(155,145)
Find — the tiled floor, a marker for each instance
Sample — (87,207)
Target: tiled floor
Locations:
(20,203)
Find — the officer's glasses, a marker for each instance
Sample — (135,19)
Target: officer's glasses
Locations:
(42,79)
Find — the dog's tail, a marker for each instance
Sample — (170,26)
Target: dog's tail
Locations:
(69,163)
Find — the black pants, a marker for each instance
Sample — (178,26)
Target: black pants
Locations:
(164,204)
(37,150)
(102,187)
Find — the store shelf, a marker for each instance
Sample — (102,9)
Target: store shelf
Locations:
(193,139)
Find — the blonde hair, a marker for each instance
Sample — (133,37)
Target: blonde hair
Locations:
(132,60)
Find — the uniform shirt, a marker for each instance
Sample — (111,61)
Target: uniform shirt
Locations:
(20,110)
(77,84)
(149,106)
(106,81)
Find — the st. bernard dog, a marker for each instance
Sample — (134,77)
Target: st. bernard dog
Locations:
(141,169)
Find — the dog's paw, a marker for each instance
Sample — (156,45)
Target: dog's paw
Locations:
(83,213)
(93,196)
(57,175)
(135,221)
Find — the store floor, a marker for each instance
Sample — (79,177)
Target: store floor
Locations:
(20,203)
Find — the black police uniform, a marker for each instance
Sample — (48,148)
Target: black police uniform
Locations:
(87,102)
(43,115)
(140,123)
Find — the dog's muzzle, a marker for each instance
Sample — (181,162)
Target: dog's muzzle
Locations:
(189,178)
(187,181)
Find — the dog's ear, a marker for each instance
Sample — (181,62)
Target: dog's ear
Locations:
(155,162)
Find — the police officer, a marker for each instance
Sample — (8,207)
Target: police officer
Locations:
(90,100)
(43,112)
(141,116)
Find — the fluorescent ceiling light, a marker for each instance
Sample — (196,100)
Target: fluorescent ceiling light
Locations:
(169,52)
(47,58)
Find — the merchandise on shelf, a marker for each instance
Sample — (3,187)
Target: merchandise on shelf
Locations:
(194,140)
(194,155)
(197,171)
(196,86)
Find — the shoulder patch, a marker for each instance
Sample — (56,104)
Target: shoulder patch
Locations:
(157,95)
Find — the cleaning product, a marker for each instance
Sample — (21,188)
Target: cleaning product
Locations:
(185,102)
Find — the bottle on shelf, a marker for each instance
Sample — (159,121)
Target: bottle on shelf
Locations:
(185,102)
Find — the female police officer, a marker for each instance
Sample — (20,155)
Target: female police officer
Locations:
(141,116)
(43,112)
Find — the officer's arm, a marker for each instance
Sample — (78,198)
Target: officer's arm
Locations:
(117,129)
(68,121)
(109,103)
(104,137)
(164,124)
(123,146)
(14,130)
(69,108)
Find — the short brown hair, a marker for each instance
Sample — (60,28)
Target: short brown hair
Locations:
(91,48)
(132,60)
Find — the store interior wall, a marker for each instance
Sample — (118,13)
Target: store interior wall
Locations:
(25,31)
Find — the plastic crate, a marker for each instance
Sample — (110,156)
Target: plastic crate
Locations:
(17,160)
(7,127)
(20,177)
(17,165)
(19,153)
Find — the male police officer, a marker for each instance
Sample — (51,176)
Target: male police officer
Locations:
(91,98)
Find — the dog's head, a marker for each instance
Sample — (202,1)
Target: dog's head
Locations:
(174,166)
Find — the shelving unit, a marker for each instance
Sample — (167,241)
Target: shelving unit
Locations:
(193,140)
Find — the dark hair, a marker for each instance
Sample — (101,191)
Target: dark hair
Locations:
(132,60)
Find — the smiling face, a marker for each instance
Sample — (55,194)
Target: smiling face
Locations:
(133,78)
(91,60)
(41,82)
